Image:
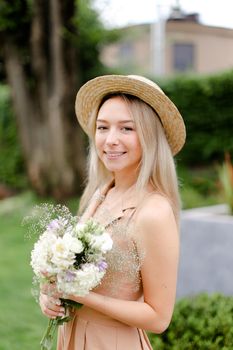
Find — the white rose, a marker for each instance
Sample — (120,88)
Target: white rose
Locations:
(62,256)
(72,243)
(64,250)
(102,242)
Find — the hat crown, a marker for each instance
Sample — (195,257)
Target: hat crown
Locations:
(146,81)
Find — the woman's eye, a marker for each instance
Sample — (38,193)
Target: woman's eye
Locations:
(127,128)
(101,127)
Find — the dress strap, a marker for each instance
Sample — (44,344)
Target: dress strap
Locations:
(118,218)
(131,214)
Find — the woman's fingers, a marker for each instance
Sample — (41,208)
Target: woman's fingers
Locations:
(50,306)
(50,289)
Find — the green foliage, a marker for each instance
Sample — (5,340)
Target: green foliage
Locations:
(12,170)
(202,322)
(199,186)
(15,15)
(85,31)
(12,13)
(91,36)
(225,173)
(206,106)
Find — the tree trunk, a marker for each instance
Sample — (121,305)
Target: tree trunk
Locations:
(52,141)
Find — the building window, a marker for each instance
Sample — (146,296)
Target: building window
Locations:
(183,57)
(126,51)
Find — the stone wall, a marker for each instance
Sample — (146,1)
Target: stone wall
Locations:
(206,258)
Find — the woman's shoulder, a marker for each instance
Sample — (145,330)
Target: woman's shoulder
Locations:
(154,204)
(155,210)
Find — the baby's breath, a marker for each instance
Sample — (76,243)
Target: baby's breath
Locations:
(41,215)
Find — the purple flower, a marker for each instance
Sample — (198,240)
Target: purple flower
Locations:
(70,276)
(54,225)
(102,265)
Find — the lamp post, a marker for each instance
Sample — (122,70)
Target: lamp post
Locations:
(158,44)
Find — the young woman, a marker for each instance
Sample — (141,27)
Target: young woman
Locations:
(134,131)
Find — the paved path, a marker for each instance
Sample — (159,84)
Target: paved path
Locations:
(206,261)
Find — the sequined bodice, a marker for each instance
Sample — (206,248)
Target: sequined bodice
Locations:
(122,279)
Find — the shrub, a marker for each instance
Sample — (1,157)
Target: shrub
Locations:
(225,173)
(199,186)
(202,322)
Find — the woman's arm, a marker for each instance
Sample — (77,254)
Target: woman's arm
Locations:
(158,236)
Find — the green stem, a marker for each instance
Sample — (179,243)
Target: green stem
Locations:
(47,340)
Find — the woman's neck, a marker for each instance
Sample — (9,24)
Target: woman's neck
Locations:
(123,183)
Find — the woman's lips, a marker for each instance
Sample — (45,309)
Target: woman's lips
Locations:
(113,155)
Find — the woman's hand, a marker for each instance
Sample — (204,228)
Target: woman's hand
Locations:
(50,303)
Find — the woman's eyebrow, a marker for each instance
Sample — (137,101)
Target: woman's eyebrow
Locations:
(120,122)
(126,121)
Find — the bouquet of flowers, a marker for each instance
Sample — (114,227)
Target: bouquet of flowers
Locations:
(69,254)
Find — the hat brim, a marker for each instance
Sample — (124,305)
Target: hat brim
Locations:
(91,94)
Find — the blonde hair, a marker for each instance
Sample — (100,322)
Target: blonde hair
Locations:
(157,165)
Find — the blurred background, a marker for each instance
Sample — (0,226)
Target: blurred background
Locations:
(49,48)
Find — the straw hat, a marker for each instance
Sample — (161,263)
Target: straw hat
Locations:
(91,94)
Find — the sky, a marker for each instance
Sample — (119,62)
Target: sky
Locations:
(118,13)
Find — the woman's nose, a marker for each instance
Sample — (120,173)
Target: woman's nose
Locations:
(112,137)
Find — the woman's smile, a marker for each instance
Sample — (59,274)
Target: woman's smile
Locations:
(114,155)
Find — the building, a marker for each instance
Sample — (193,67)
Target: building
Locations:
(179,44)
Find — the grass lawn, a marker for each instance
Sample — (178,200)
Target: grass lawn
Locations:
(22,324)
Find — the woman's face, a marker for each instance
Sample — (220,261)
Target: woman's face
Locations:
(116,139)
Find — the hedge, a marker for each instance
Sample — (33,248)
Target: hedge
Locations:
(202,322)
(206,104)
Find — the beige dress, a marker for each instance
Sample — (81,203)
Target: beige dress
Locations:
(90,329)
